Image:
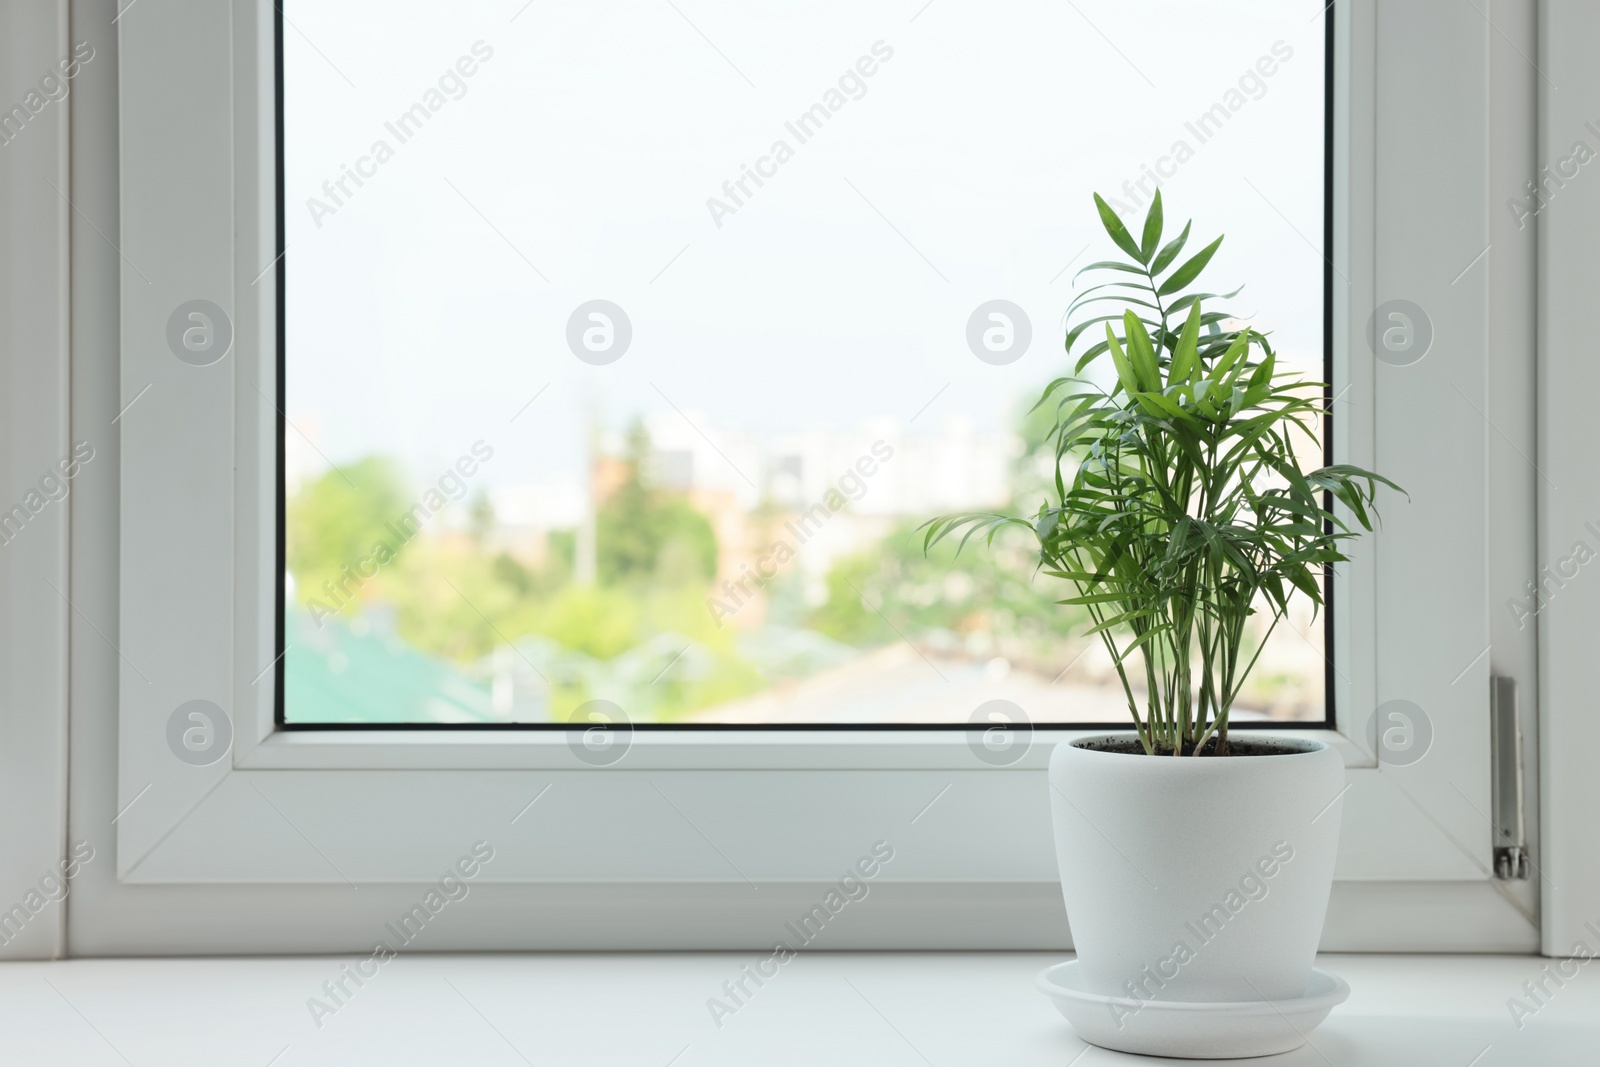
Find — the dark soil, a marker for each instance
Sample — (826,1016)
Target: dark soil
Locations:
(1237,746)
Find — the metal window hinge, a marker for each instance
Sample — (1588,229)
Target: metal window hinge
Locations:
(1505,756)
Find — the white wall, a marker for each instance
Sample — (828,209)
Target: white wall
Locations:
(34,221)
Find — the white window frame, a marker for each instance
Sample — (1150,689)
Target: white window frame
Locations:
(284,823)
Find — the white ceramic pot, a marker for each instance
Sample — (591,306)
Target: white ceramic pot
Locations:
(1196,879)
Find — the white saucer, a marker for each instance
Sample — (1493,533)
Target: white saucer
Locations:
(1188,1029)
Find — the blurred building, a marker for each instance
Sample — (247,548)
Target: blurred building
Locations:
(828,493)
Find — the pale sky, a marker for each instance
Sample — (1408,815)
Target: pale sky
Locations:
(585,148)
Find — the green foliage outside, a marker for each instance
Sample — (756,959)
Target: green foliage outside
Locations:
(455,599)
(338,519)
(991,604)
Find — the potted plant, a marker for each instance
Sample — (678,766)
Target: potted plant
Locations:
(1195,864)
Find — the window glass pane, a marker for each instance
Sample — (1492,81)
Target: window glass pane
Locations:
(628,344)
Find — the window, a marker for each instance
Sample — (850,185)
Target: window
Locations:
(662,846)
(624,353)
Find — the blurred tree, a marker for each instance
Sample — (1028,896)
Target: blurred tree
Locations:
(992,602)
(562,555)
(480,517)
(644,533)
(593,620)
(513,575)
(338,520)
(447,600)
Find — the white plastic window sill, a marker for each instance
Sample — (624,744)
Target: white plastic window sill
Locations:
(938,1009)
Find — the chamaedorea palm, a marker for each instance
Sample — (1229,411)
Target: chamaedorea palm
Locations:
(1180,509)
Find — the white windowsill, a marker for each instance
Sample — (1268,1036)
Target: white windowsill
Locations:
(943,1009)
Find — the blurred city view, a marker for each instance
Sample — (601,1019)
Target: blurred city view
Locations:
(681,593)
(716,523)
